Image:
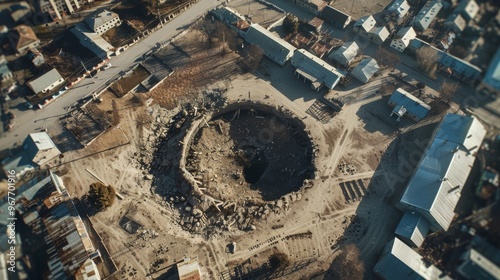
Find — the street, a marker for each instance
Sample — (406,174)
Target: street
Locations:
(30,121)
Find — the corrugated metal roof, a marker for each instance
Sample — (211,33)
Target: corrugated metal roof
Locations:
(91,40)
(274,47)
(476,266)
(42,141)
(337,17)
(365,69)
(316,67)
(412,228)
(435,188)
(412,104)
(44,81)
(398,261)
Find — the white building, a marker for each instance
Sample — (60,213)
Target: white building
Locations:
(403,38)
(367,27)
(46,82)
(400,8)
(275,48)
(346,53)
(436,185)
(365,70)
(103,21)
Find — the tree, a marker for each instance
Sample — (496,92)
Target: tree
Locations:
(426,59)
(253,55)
(101,196)
(347,264)
(290,24)
(278,261)
(387,58)
(447,90)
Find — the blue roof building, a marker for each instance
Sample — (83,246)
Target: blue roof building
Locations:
(412,229)
(406,104)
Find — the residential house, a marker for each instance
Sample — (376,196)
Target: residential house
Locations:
(456,23)
(398,261)
(452,65)
(403,38)
(337,18)
(103,21)
(427,14)
(5,73)
(345,54)
(491,81)
(38,149)
(313,6)
(46,82)
(275,48)
(23,38)
(437,182)
(367,27)
(399,8)
(365,70)
(315,24)
(92,41)
(59,8)
(315,70)
(404,103)
(468,9)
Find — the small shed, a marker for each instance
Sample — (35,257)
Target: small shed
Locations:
(365,70)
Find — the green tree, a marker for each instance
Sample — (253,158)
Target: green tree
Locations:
(290,24)
(101,196)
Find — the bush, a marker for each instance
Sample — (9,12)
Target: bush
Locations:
(101,196)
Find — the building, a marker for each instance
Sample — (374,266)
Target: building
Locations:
(367,28)
(23,38)
(491,81)
(313,6)
(365,70)
(468,9)
(398,261)
(345,54)
(399,8)
(5,73)
(46,207)
(412,229)
(315,70)
(92,41)
(427,14)
(315,24)
(38,149)
(452,65)
(59,8)
(403,103)
(436,185)
(403,38)
(36,57)
(189,269)
(456,23)
(481,261)
(337,18)
(46,82)
(232,19)
(275,48)
(103,21)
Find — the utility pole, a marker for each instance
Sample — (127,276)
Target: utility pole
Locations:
(159,18)
(87,71)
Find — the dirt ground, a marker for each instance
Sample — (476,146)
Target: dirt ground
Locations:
(360,8)
(349,201)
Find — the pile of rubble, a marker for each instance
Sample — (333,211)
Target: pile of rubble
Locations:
(346,168)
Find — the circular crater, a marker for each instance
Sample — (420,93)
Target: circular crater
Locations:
(248,152)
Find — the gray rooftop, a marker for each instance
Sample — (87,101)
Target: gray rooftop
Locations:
(273,46)
(92,41)
(436,185)
(412,104)
(365,69)
(412,229)
(316,67)
(492,76)
(427,14)
(44,81)
(98,19)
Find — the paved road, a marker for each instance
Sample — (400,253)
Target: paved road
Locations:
(31,120)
